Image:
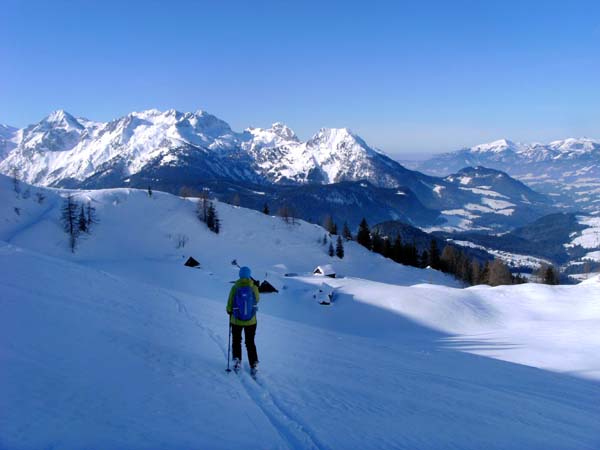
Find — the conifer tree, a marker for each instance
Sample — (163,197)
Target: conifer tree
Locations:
(397,249)
(212,219)
(547,274)
(90,215)
(346,232)
(412,255)
(387,247)
(82,223)
(377,242)
(331,251)
(266,209)
(434,255)
(364,234)
(449,259)
(424,262)
(69,221)
(485,273)
(339,248)
(475,272)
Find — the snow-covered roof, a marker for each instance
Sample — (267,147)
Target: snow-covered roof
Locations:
(325,269)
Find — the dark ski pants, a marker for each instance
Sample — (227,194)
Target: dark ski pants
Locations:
(249,332)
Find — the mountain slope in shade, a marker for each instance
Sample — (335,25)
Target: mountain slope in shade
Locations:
(568,170)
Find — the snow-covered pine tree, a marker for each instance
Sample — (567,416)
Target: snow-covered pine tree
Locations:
(331,251)
(339,248)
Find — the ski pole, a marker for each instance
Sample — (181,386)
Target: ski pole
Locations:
(228,347)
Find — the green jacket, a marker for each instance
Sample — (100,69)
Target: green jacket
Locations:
(239,283)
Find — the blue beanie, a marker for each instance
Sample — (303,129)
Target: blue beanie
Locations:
(245,272)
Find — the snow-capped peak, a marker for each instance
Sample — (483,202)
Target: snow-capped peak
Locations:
(575,145)
(62,119)
(337,138)
(497,146)
(283,131)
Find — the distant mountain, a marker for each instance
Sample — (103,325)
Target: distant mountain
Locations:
(497,195)
(568,170)
(171,149)
(8,138)
(564,239)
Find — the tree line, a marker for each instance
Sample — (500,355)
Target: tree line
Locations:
(450,259)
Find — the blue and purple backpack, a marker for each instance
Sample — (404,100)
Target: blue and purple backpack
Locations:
(244,303)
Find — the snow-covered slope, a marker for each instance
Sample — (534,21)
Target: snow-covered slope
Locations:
(121,346)
(568,169)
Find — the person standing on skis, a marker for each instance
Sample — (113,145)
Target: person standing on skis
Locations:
(242,307)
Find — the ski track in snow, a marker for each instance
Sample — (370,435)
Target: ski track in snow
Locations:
(290,429)
(41,217)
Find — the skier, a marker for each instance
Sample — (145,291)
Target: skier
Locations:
(242,307)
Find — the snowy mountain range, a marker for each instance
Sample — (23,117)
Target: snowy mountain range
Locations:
(63,148)
(568,170)
(171,150)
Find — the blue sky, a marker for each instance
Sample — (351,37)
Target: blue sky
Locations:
(410,77)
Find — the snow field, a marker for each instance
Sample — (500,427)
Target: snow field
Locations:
(120,346)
